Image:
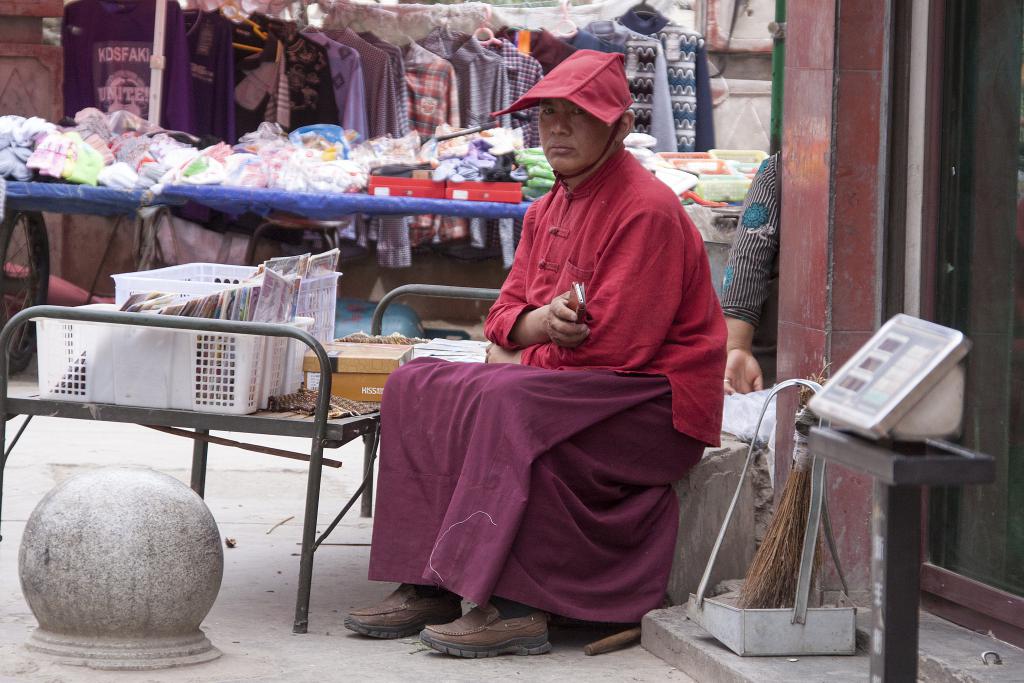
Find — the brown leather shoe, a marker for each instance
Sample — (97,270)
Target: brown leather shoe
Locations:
(404,613)
(483,633)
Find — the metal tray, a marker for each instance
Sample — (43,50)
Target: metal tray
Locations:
(772,632)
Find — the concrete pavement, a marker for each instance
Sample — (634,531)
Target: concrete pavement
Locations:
(250,493)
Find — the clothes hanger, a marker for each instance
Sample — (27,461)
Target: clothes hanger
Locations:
(484,33)
(231,11)
(565,28)
(643,10)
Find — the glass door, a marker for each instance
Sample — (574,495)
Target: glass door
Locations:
(976,534)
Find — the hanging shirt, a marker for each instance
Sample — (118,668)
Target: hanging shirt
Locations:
(651,306)
(347,81)
(681,54)
(311,92)
(548,49)
(523,73)
(432,89)
(212,65)
(647,72)
(261,86)
(482,80)
(381,103)
(401,91)
(705,105)
(585,40)
(107,46)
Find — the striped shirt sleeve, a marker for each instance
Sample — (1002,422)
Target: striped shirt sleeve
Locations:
(755,248)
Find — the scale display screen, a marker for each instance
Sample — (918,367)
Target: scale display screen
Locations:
(890,374)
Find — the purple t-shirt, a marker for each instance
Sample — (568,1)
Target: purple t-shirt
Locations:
(107,46)
(212,63)
(347,79)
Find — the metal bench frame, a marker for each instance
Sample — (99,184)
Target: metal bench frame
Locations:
(323,433)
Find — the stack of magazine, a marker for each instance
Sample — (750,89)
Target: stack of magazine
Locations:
(270,295)
(456,350)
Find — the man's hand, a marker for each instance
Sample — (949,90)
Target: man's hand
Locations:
(560,323)
(498,354)
(553,322)
(742,373)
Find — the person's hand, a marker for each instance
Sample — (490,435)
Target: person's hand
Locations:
(499,354)
(742,373)
(559,323)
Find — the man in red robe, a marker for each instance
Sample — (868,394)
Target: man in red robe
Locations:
(541,482)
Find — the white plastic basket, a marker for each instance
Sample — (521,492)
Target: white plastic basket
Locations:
(161,368)
(226,373)
(282,367)
(76,360)
(317,295)
(194,279)
(200,371)
(318,298)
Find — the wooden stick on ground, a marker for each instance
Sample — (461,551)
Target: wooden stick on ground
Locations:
(613,642)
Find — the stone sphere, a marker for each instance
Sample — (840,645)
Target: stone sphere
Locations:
(120,566)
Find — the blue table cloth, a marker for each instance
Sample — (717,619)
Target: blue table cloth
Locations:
(103,201)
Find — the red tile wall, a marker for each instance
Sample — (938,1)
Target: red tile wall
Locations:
(829,265)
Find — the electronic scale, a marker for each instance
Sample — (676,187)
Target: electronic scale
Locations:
(906,383)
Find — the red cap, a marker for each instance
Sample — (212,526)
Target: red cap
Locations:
(593,81)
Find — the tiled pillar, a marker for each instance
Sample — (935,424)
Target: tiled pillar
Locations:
(31,79)
(30,72)
(829,263)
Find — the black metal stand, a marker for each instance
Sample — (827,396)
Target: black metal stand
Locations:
(899,470)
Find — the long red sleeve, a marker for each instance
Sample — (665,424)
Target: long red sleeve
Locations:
(512,302)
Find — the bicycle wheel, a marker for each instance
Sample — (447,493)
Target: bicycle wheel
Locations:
(24,280)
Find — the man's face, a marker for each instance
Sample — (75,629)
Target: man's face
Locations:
(572,139)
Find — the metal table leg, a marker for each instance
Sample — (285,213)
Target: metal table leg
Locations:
(199,452)
(370,443)
(308,538)
(3,461)
(895,529)
(5,451)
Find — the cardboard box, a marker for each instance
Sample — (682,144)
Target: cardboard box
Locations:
(358,371)
(486,192)
(355,386)
(353,357)
(386,186)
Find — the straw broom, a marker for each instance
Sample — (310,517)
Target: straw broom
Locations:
(772,577)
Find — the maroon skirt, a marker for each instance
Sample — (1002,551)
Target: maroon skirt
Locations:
(550,488)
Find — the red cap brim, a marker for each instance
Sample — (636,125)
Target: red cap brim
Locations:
(593,81)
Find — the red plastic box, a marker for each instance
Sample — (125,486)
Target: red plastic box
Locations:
(511,193)
(387,186)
